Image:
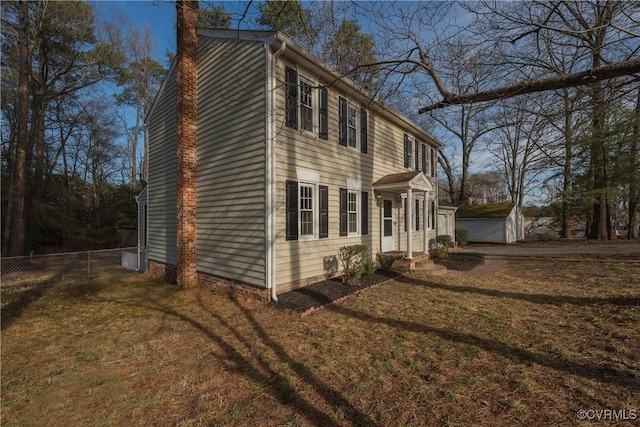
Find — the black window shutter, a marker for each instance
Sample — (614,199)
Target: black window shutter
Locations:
(342,104)
(406,150)
(364,213)
(417,215)
(405,214)
(432,214)
(363,131)
(425,163)
(433,162)
(324,211)
(417,156)
(292,210)
(343,212)
(324,114)
(292,98)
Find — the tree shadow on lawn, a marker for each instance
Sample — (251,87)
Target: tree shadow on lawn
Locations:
(602,373)
(533,298)
(16,299)
(277,382)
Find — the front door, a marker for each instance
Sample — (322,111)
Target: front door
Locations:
(387,244)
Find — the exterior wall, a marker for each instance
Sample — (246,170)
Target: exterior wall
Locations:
(484,230)
(447,222)
(300,262)
(162,174)
(231,160)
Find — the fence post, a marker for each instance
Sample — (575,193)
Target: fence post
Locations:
(88,266)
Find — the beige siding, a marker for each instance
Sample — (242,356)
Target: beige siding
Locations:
(231,159)
(162,175)
(299,260)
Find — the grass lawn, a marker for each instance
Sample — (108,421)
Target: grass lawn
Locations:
(529,345)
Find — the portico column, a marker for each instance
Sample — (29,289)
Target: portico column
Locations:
(425,228)
(409,224)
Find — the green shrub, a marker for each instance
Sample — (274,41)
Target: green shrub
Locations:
(443,240)
(439,252)
(353,260)
(385,261)
(462,236)
(369,266)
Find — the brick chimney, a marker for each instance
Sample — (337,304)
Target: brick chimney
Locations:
(186,81)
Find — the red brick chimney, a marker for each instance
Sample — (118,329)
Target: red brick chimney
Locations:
(186,81)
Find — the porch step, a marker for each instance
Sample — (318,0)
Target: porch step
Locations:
(429,267)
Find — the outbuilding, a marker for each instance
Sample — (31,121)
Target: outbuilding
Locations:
(492,223)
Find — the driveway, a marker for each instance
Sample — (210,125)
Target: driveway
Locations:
(619,247)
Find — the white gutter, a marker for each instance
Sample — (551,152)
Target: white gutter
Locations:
(138,230)
(270,223)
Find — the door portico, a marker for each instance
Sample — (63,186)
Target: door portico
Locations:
(411,184)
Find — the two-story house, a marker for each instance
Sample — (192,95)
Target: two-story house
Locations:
(293,162)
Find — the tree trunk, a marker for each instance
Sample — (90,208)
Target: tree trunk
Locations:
(567,168)
(17,226)
(634,170)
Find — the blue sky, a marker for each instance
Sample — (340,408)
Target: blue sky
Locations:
(160,16)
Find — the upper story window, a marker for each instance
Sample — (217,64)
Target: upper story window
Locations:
(353,126)
(410,152)
(306,104)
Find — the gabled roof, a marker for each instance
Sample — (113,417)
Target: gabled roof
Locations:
(403,181)
(491,210)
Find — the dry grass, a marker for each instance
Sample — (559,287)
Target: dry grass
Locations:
(529,345)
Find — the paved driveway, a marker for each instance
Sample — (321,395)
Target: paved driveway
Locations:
(550,248)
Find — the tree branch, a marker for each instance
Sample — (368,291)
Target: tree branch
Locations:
(606,72)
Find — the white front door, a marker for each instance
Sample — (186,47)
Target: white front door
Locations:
(387,244)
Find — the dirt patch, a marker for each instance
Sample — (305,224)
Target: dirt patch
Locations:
(461,262)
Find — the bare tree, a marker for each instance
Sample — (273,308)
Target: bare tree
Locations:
(516,146)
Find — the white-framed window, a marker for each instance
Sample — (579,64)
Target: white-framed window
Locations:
(307,105)
(353,122)
(409,152)
(352,212)
(352,126)
(308,212)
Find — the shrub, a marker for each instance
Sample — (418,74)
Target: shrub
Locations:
(462,236)
(439,252)
(443,240)
(385,261)
(369,266)
(353,259)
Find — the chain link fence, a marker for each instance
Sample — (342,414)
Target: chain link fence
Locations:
(45,270)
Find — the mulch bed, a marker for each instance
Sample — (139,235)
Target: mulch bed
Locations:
(317,295)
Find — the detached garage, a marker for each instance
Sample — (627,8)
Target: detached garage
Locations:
(491,223)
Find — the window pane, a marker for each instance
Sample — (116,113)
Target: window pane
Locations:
(352,209)
(306,210)
(388,205)
(306,106)
(351,126)
(353,222)
(388,227)
(306,118)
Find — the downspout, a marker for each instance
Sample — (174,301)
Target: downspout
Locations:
(138,231)
(270,151)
